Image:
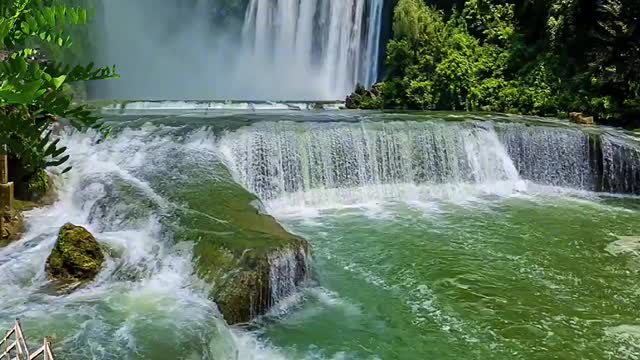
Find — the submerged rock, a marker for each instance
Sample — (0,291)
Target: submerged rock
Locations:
(77,256)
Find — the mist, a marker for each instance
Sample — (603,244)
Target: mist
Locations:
(238,50)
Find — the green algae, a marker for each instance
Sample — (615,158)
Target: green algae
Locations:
(233,242)
(77,256)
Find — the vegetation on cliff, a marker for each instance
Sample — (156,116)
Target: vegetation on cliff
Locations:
(541,57)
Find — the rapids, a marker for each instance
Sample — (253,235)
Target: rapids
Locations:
(434,236)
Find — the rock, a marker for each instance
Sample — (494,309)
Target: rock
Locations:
(260,280)
(363,98)
(13,224)
(248,258)
(580,118)
(76,257)
(12,227)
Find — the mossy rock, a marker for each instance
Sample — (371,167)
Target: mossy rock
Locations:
(234,243)
(12,228)
(76,257)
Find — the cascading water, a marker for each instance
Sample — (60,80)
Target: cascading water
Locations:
(330,45)
(551,155)
(621,165)
(435,219)
(316,163)
(147,299)
(351,163)
(285,49)
(431,273)
(288,268)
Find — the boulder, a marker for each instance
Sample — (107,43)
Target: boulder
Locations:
(76,257)
(11,228)
(248,258)
(580,118)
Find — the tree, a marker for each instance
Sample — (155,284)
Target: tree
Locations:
(35,91)
(543,57)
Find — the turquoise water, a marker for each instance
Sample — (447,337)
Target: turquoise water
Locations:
(528,277)
(429,240)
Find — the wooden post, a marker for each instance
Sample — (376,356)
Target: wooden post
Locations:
(6,190)
(4,167)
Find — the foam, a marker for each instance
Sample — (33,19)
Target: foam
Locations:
(625,245)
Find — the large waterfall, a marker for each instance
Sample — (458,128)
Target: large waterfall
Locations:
(281,50)
(327,44)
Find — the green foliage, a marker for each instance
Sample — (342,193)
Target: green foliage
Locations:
(543,57)
(34,91)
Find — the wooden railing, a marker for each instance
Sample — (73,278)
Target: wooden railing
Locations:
(18,350)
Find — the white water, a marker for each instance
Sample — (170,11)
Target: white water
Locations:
(198,107)
(313,166)
(326,45)
(285,49)
(621,166)
(148,282)
(288,267)
(322,165)
(137,303)
(550,155)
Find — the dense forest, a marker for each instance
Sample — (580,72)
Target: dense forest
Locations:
(543,57)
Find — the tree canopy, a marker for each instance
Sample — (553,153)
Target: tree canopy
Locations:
(35,88)
(532,57)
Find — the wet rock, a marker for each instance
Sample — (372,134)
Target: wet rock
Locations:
(363,98)
(259,280)
(76,257)
(248,258)
(580,118)
(12,227)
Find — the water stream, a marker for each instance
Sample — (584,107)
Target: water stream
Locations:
(434,236)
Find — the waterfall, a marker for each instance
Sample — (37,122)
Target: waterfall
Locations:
(311,163)
(551,155)
(205,49)
(289,268)
(327,164)
(331,44)
(621,165)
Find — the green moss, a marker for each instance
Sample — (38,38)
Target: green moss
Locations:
(232,243)
(75,257)
(20,205)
